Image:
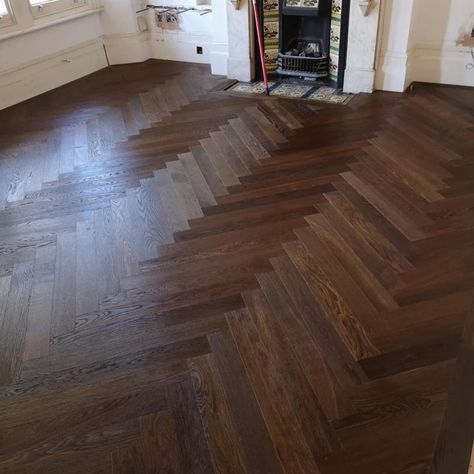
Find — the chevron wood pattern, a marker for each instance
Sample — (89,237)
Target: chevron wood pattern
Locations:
(193,281)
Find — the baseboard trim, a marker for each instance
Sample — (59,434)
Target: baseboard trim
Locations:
(47,73)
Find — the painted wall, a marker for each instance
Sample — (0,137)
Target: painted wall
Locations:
(45,58)
(39,57)
(419,41)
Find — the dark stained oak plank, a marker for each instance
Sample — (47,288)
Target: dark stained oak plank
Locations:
(159,443)
(209,172)
(330,393)
(14,322)
(88,259)
(229,154)
(187,199)
(294,452)
(309,259)
(41,303)
(247,137)
(126,254)
(175,214)
(225,172)
(222,439)
(64,296)
(259,452)
(194,453)
(314,424)
(322,331)
(106,261)
(197,180)
(193,280)
(454,444)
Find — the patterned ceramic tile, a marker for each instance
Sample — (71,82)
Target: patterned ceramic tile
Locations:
(328,94)
(291,90)
(336,7)
(302,3)
(271,33)
(310,3)
(295,91)
(250,87)
(270,5)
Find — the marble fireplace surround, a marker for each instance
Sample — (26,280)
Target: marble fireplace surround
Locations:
(361,48)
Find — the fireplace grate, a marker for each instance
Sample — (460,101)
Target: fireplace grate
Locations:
(304,59)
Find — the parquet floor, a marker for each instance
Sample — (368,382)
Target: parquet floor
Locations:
(194,281)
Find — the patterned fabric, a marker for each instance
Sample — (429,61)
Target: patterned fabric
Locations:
(294,90)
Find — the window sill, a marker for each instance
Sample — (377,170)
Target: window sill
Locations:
(41,23)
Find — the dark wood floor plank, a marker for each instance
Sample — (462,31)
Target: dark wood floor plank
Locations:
(400,220)
(197,280)
(194,453)
(159,443)
(209,172)
(88,257)
(229,154)
(259,452)
(288,372)
(324,226)
(64,297)
(187,199)
(247,137)
(330,393)
(368,231)
(14,322)
(141,204)
(339,357)
(222,440)
(197,180)
(454,444)
(243,152)
(282,423)
(175,214)
(126,252)
(225,172)
(334,295)
(41,303)
(106,261)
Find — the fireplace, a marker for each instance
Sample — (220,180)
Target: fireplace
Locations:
(306,39)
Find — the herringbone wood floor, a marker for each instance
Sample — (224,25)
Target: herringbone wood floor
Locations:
(194,281)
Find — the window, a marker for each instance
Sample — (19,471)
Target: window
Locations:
(47,7)
(6,17)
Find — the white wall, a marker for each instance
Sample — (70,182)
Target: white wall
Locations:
(418,43)
(123,40)
(126,42)
(37,56)
(41,59)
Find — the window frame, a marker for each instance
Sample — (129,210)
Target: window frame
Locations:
(55,7)
(7,19)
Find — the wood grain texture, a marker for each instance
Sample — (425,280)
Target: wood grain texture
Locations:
(192,280)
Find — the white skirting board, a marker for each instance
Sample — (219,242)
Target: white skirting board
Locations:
(441,65)
(425,63)
(46,73)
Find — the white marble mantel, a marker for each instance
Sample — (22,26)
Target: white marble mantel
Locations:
(362,45)
(241,60)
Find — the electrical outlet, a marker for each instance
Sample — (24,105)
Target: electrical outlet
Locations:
(199,50)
